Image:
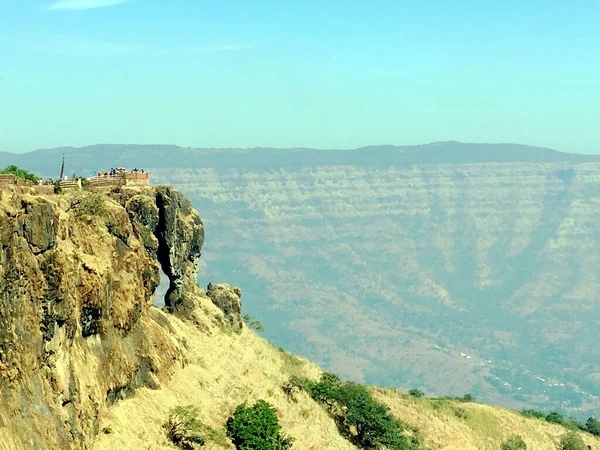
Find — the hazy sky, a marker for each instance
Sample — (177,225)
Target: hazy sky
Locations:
(319,73)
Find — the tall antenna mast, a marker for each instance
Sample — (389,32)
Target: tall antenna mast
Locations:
(62,168)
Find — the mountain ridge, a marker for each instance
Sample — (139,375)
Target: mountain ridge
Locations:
(265,158)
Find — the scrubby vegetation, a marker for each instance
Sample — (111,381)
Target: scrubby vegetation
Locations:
(89,205)
(20,173)
(533,413)
(418,393)
(572,441)
(591,426)
(253,324)
(187,431)
(360,418)
(467,398)
(514,443)
(184,428)
(257,428)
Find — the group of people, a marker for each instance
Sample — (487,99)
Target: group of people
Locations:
(122,170)
(117,171)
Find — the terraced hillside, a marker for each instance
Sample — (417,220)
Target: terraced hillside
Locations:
(455,278)
(452,268)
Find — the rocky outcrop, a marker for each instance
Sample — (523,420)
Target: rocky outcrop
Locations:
(227,299)
(78,331)
(180,234)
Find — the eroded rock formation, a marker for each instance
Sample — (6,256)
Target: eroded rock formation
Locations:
(228,300)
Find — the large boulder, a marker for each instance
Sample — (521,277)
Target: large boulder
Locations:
(228,300)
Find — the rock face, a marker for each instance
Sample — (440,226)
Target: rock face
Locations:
(180,234)
(77,327)
(227,299)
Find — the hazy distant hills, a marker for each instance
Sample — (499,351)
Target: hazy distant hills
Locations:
(449,267)
(89,159)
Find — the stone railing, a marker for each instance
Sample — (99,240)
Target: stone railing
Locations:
(16,184)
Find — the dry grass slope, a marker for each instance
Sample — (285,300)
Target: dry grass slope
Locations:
(485,427)
(223,370)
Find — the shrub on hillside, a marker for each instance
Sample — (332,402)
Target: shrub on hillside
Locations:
(574,424)
(255,325)
(184,428)
(572,441)
(514,443)
(534,413)
(418,393)
(360,418)
(461,413)
(89,205)
(593,426)
(257,428)
(467,398)
(555,417)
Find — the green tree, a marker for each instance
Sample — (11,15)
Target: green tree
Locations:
(20,173)
(418,393)
(572,441)
(467,398)
(326,390)
(360,418)
(257,428)
(593,426)
(514,443)
(371,421)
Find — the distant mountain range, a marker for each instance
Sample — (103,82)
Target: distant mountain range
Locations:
(47,162)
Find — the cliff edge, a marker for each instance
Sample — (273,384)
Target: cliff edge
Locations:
(78,331)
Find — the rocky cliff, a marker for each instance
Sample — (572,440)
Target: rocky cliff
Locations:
(77,327)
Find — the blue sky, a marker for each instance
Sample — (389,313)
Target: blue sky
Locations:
(325,74)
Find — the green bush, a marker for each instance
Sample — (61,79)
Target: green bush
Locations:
(418,393)
(593,426)
(574,424)
(514,443)
(360,418)
(533,413)
(461,413)
(467,398)
(257,428)
(572,441)
(370,420)
(184,428)
(20,173)
(555,417)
